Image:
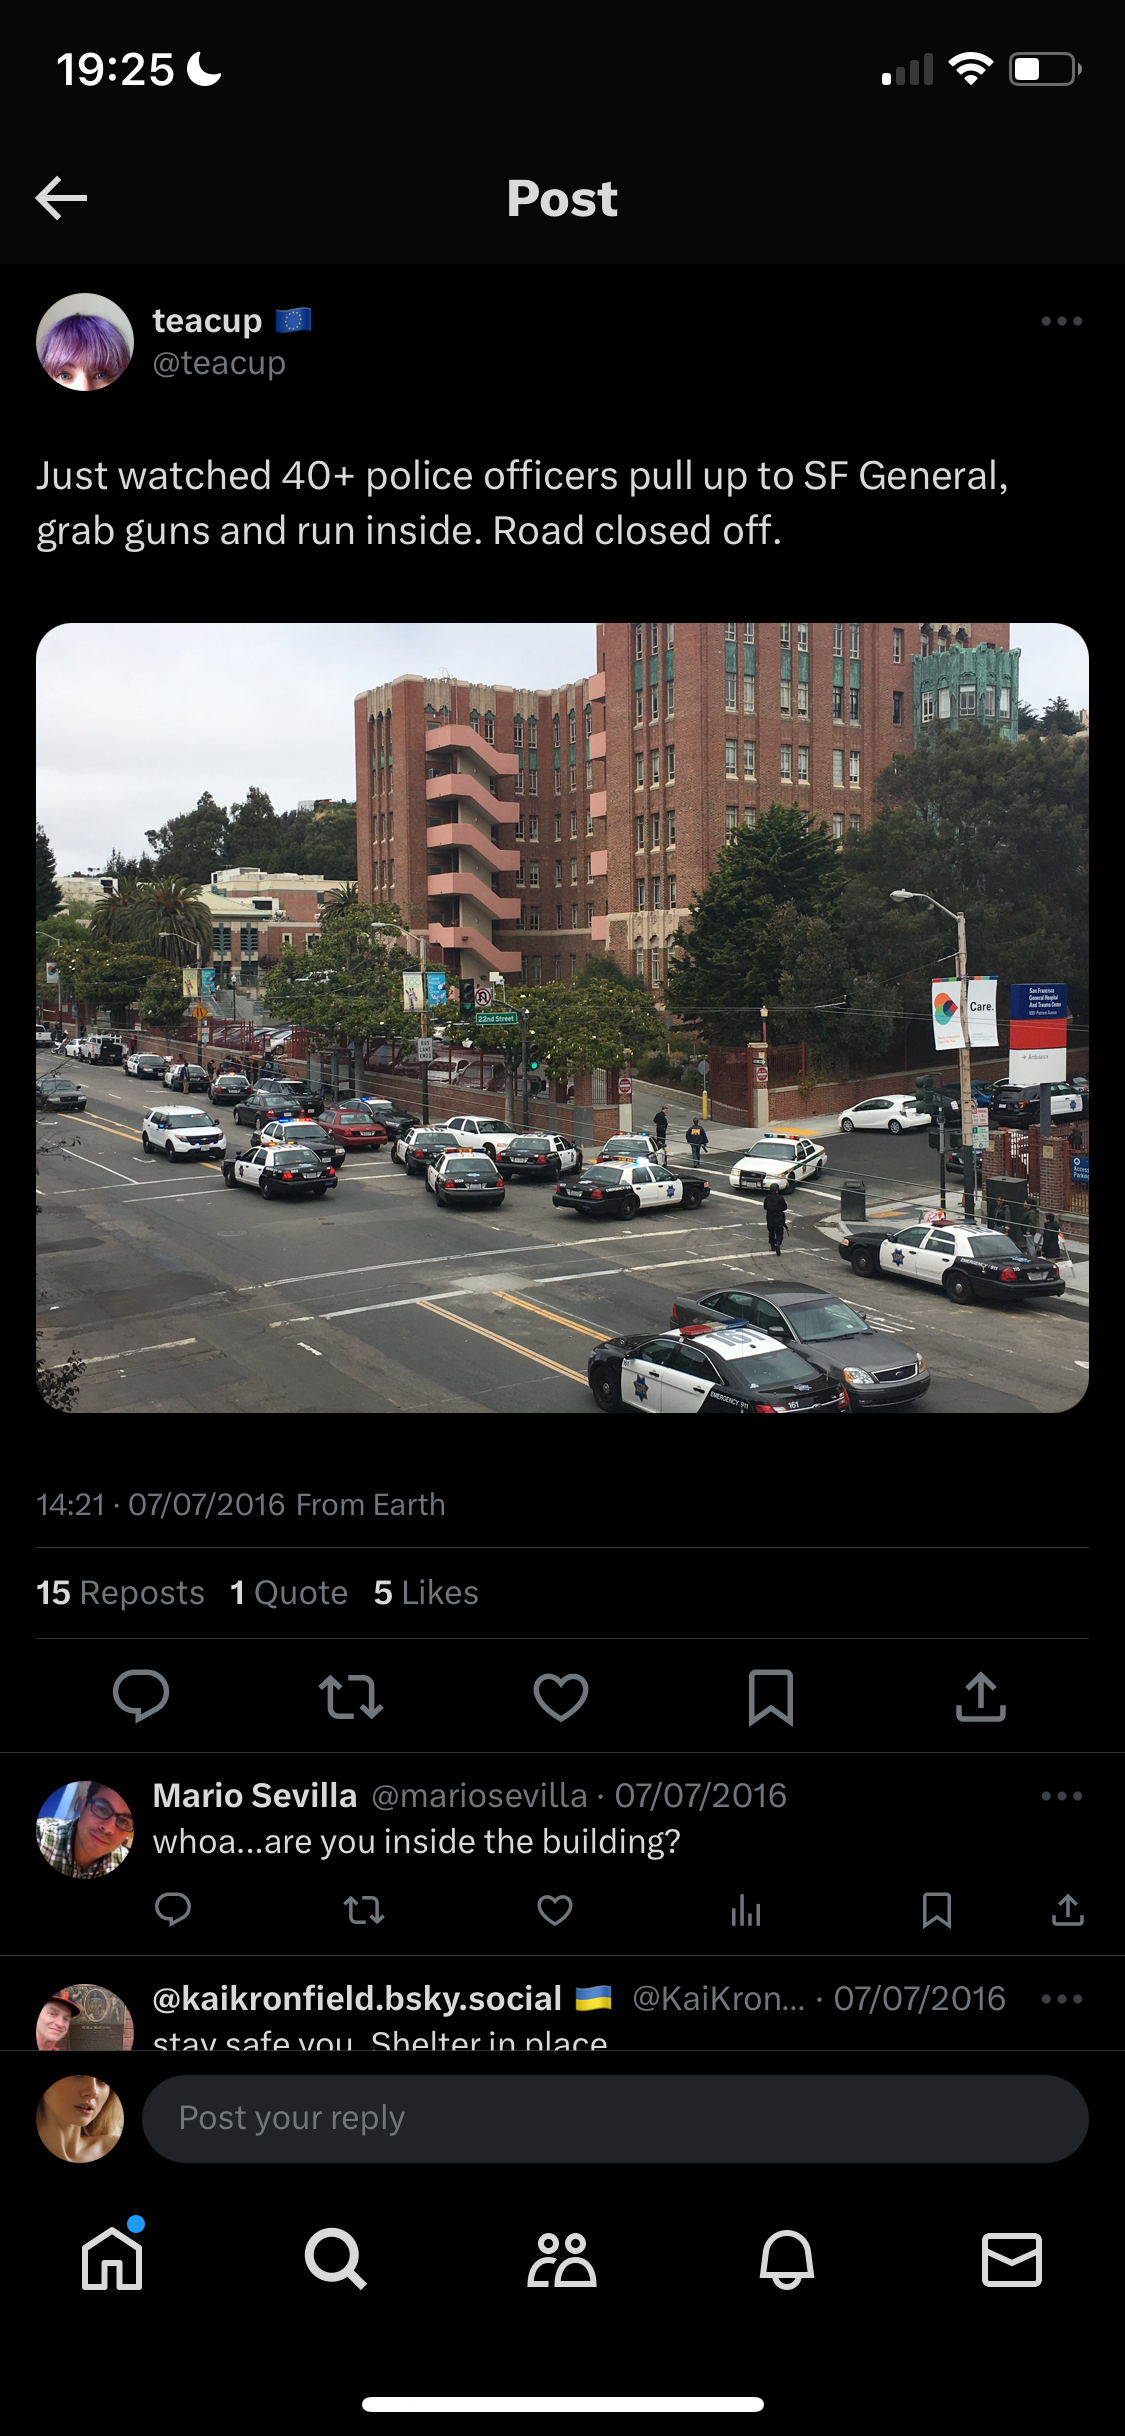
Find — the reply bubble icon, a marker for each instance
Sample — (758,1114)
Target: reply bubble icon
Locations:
(140,1674)
(172,1919)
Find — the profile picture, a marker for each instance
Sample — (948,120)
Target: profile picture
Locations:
(84,342)
(79,2118)
(85,1829)
(83,2017)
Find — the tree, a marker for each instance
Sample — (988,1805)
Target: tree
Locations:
(112,977)
(723,970)
(1028,718)
(847,1018)
(1058,718)
(162,1003)
(255,834)
(58,942)
(604,1017)
(48,894)
(122,867)
(342,902)
(193,844)
(161,917)
(349,982)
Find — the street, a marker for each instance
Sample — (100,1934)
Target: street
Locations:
(183,1296)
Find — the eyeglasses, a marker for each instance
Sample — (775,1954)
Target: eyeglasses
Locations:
(121,1818)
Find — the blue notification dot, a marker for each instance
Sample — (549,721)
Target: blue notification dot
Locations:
(136,2224)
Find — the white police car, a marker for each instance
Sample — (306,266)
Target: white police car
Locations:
(626,1188)
(779,1158)
(709,1370)
(182,1133)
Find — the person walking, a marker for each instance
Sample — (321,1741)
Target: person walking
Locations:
(698,1140)
(775,1206)
(1050,1241)
(132,1044)
(210,1072)
(660,1127)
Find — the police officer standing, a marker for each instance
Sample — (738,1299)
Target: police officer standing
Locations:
(775,1206)
(697,1140)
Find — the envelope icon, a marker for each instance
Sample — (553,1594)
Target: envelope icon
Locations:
(1011,2260)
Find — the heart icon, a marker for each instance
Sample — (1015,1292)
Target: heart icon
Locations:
(555,1909)
(561,1715)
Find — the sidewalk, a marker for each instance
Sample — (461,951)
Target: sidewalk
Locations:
(908,1212)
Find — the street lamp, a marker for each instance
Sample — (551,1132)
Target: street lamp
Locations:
(904,896)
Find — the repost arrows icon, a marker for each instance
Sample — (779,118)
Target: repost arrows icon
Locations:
(46,192)
(370,1707)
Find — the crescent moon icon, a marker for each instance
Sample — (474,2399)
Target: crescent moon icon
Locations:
(199,75)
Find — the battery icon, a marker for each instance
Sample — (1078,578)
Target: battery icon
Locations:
(1043,68)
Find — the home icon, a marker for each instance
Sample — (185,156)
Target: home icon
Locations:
(103,2266)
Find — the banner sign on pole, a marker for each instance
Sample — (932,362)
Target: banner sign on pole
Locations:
(982,1011)
(412,993)
(435,989)
(946,1010)
(1038,1032)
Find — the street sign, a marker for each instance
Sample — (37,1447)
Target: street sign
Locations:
(761,1074)
(1080,1167)
(425,1052)
(500,1015)
(482,997)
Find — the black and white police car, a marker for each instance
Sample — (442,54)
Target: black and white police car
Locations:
(146,1065)
(709,1370)
(464,1175)
(877,1370)
(280,1172)
(182,1133)
(299,1133)
(970,1263)
(535,1156)
(633,1146)
(631,1185)
(779,1158)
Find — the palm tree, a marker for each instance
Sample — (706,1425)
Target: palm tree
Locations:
(113,919)
(339,903)
(170,919)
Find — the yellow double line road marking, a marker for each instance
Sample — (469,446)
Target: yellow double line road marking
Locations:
(509,1343)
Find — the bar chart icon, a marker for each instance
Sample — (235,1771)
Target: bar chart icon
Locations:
(919,72)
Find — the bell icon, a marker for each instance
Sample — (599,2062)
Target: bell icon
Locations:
(780,2267)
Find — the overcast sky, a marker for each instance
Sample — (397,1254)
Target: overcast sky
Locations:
(136,721)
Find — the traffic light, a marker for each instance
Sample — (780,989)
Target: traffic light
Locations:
(468,998)
(532,1058)
(924,1093)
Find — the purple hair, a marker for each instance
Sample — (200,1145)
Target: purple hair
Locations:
(83,342)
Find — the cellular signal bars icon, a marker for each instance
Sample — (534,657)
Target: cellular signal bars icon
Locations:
(748,1915)
(925,77)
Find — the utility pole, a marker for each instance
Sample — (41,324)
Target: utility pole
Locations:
(968,1154)
(525,1018)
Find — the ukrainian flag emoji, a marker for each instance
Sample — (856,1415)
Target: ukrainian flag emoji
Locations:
(593,2000)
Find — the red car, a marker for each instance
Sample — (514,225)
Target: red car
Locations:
(354,1126)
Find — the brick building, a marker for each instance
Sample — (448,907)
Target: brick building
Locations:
(704,723)
(257,913)
(481,810)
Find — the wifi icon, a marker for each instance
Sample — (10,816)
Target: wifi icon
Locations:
(970,65)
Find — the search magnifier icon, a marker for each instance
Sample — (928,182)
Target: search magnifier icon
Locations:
(334,2275)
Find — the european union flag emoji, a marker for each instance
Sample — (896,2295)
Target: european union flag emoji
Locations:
(299,317)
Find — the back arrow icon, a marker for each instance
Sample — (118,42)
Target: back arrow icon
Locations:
(44,197)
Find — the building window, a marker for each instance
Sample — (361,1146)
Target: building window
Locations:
(655,638)
(656,767)
(574,824)
(748,697)
(654,960)
(589,917)
(533,782)
(1005,702)
(927,709)
(537,968)
(853,705)
(523,968)
(837,769)
(574,870)
(589,868)
(656,896)
(287,938)
(519,782)
(589,719)
(732,819)
(803,764)
(749,759)
(853,769)
(749,817)
(787,761)
(558,968)
(558,782)
(533,824)
(640,892)
(924,648)
(837,701)
(638,770)
(669,701)
(573,778)
(533,733)
(641,834)
(802,638)
(558,875)
(638,642)
(519,826)
(589,822)
(638,709)
(671,828)
(855,642)
(555,729)
(574,917)
(731,633)
(802,701)
(896,712)
(786,698)
(732,756)
(672,889)
(489,727)
(730,702)
(571,726)
(654,712)
(837,638)
(573,966)
(517,731)
(897,653)
(967,701)
(854,822)
(837,824)
(943,702)
(784,635)
(655,836)
(558,824)
(533,875)
(533,917)
(519,876)
(640,957)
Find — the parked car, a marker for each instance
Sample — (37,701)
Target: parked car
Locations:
(394,1121)
(301,1134)
(537,1157)
(183,1133)
(481,1133)
(895,1113)
(712,1370)
(785,1159)
(633,1146)
(354,1127)
(464,1175)
(103,1049)
(1017,1104)
(227,1089)
(186,1077)
(280,1174)
(876,1370)
(971,1264)
(146,1065)
(425,1143)
(44,1037)
(625,1189)
(269,1100)
(75,1045)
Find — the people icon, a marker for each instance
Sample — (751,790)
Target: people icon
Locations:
(573,2273)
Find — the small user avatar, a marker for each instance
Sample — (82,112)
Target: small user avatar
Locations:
(84,342)
(85,1829)
(83,2017)
(79,2119)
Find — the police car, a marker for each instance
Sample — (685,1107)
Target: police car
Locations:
(970,1263)
(182,1133)
(779,1158)
(279,1172)
(538,1156)
(465,1175)
(709,1370)
(634,1146)
(299,1133)
(626,1188)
